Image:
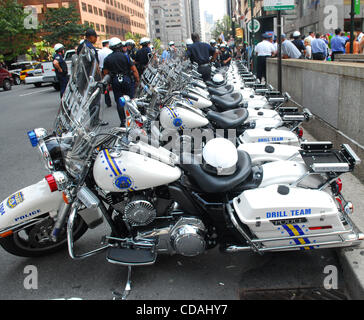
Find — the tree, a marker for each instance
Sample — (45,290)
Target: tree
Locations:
(61,25)
(222,26)
(136,37)
(15,36)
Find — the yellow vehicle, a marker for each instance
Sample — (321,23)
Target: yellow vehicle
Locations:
(23,67)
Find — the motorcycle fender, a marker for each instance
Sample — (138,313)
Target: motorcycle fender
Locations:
(28,203)
(262,153)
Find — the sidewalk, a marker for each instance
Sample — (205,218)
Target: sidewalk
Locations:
(352,259)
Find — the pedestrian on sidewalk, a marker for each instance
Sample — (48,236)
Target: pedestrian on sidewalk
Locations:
(337,44)
(319,48)
(289,50)
(60,67)
(355,45)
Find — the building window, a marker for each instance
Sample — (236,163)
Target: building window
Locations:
(100,12)
(158,30)
(84,7)
(102,28)
(90,8)
(95,11)
(97,27)
(156,22)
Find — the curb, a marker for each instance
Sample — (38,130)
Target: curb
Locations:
(352,260)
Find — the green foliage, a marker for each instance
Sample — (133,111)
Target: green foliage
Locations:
(61,25)
(40,51)
(157,45)
(15,39)
(222,26)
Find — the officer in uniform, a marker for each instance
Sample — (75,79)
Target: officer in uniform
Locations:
(120,67)
(225,56)
(90,40)
(264,50)
(200,53)
(130,44)
(60,67)
(143,55)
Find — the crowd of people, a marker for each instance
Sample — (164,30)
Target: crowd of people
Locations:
(315,46)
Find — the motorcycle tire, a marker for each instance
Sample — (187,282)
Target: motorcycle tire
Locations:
(15,245)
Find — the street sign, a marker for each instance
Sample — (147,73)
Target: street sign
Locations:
(271,5)
(256,26)
(357,6)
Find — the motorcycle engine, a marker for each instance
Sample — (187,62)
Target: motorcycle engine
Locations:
(188,237)
(139,212)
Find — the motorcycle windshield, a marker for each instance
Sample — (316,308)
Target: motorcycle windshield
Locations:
(81,107)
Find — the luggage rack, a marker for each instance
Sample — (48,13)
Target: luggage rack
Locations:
(320,157)
(257,245)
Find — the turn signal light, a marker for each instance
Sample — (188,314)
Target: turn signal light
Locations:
(5,234)
(339,184)
(300,132)
(320,228)
(51,182)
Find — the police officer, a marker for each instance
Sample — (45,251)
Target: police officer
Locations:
(103,53)
(264,50)
(129,54)
(90,40)
(225,56)
(143,55)
(200,53)
(120,67)
(130,44)
(60,67)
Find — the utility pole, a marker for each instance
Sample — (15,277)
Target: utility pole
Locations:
(352,15)
(279,39)
(252,34)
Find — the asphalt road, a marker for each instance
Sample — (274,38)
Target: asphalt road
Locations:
(212,275)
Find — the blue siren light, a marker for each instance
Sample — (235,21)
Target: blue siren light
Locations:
(33,138)
(122,101)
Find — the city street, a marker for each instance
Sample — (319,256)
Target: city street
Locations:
(212,275)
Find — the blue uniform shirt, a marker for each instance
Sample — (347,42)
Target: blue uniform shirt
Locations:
(338,44)
(319,46)
(200,52)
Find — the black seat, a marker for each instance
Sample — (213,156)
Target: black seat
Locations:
(221,91)
(227,101)
(230,119)
(217,184)
(214,85)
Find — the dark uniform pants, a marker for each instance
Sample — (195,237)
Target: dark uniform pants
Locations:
(63,80)
(318,56)
(120,89)
(205,71)
(262,67)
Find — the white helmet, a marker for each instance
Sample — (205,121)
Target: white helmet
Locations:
(218,78)
(220,157)
(189,42)
(144,41)
(130,42)
(114,43)
(171,43)
(296,34)
(212,42)
(58,46)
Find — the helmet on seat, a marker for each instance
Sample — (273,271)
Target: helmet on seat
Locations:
(219,157)
(218,79)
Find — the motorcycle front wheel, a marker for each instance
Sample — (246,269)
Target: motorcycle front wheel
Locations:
(35,240)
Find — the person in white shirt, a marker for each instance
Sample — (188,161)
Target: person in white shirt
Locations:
(103,53)
(264,50)
(307,44)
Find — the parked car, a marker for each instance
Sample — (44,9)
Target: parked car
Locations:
(21,68)
(45,72)
(6,79)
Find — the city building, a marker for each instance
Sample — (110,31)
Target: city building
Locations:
(207,26)
(170,20)
(110,18)
(195,15)
(324,16)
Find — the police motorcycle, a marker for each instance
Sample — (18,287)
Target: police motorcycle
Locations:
(157,203)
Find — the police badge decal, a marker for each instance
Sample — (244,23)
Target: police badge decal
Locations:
(14,200)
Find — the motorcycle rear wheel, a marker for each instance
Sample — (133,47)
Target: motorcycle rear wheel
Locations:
(34,241)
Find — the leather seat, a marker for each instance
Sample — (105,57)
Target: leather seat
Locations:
(216,184)
(230,119)
(214,85)
(227,101)
(221,91)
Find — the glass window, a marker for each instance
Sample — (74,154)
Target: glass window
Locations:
(84,7)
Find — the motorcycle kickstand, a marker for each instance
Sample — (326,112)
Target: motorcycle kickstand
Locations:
(119,296)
